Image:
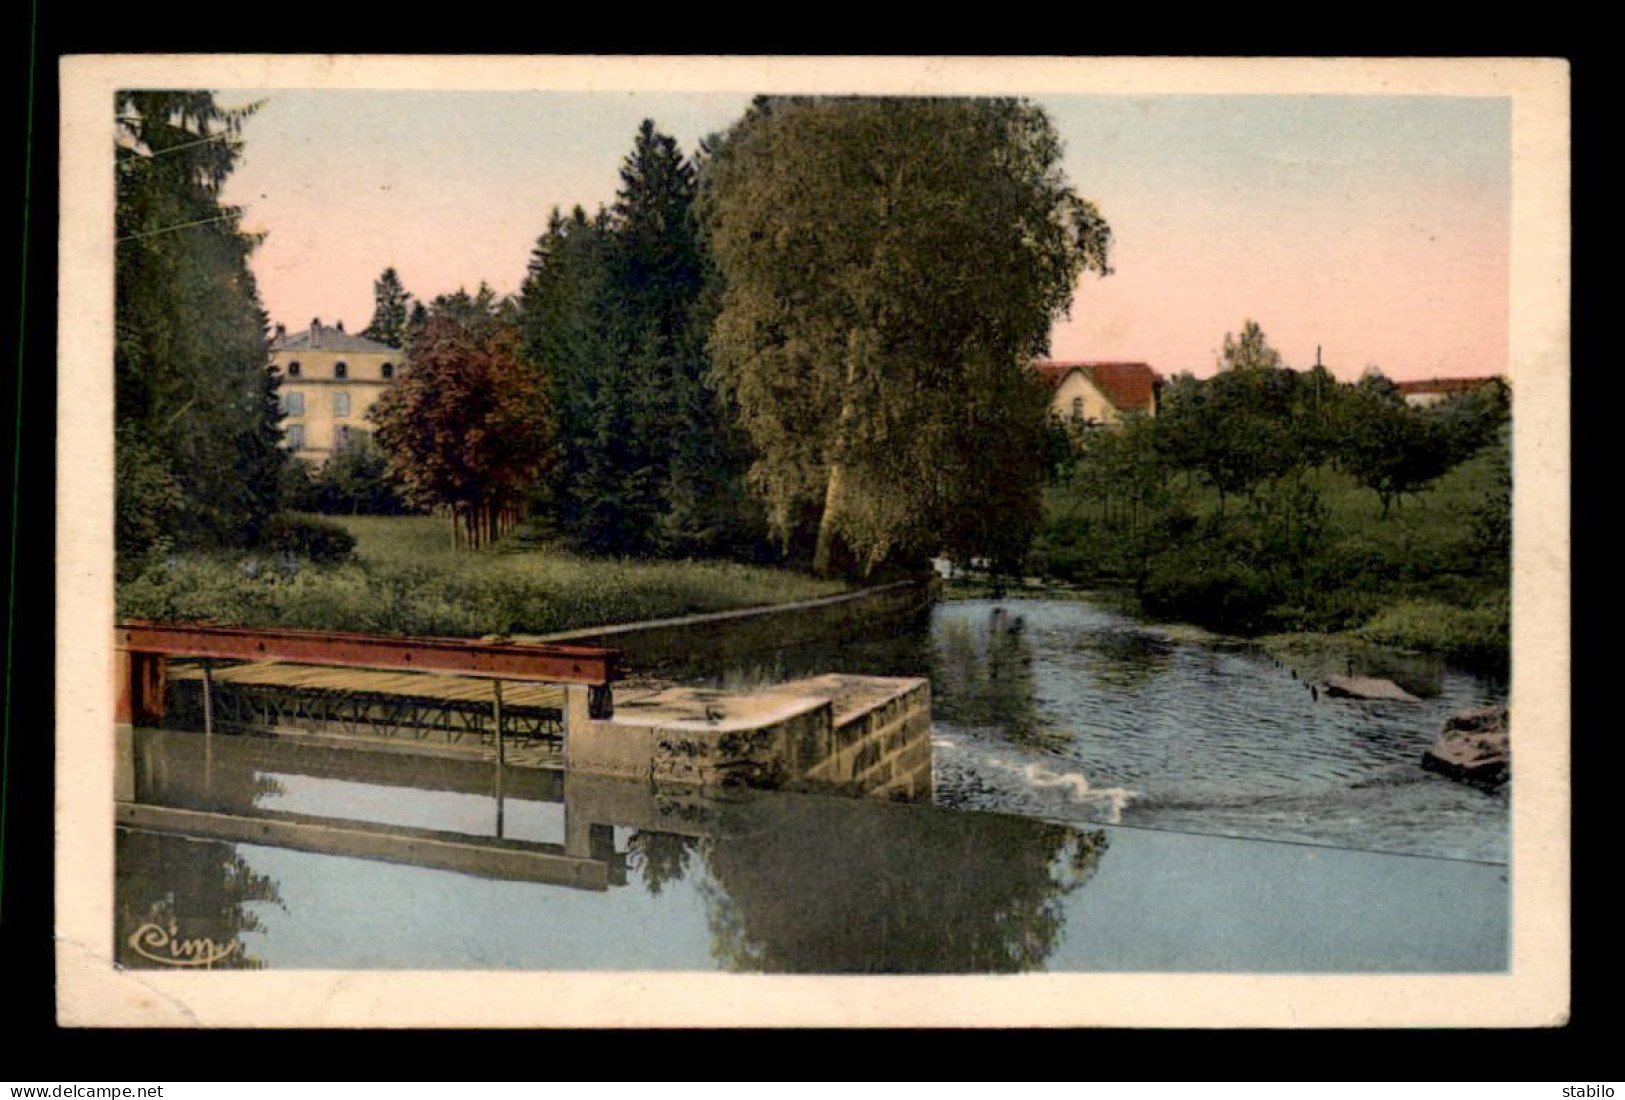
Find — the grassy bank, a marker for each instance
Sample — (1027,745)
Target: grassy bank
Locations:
(1432,575)
(404,578)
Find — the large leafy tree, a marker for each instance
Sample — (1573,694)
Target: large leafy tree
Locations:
(1393,448)
(1253,422)
(466,427)
(890,269)
(198,440)
(390,311)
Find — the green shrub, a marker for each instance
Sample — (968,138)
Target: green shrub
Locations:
(1215,589)
(316,539)
(404,579)
(148,504)
(1480,634)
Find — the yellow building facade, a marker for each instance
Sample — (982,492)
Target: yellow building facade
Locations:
(329,379)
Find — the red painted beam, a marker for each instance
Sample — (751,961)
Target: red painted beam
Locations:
(556,664)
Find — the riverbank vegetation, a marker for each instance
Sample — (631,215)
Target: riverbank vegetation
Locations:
(1265,500)
(404,577)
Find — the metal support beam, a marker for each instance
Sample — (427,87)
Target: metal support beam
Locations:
(139,681)
(208,698)
(496,718)
(558,664)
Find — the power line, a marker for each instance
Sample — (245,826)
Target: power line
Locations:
(223,136)
(173,228)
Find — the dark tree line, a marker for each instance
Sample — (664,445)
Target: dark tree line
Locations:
(617,309)
(197,444)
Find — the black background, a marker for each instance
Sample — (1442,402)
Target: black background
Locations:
(34,1050)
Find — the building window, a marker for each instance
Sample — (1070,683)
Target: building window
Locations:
(293,404)
(343,441)
(341,370)
(387,371)
(295,435)
(1077,408)
(293,369)
(341,403)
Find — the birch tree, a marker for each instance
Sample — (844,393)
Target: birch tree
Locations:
(890,269)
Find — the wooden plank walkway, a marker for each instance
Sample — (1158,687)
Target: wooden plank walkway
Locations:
(414,685)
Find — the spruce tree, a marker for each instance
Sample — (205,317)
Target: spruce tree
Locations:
(390,308)
(616,314)
(195,394)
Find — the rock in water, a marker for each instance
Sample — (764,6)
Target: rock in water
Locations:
(1474,747)
(1367,687)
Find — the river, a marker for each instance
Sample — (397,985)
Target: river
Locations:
(1069,710)
(1110,795)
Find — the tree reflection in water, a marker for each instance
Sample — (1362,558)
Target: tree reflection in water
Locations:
(816,885)
(982,676)
(174,892)
(659,857)
(1127,657)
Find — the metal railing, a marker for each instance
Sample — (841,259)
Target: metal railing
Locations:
(143,650)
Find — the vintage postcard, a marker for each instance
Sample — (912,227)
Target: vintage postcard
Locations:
(863,542)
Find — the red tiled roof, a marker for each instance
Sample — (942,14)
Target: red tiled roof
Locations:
(1444,385)
(1127,386)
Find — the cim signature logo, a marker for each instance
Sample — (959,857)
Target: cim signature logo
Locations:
(158,944)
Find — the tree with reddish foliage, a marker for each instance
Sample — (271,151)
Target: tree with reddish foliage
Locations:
(466,427)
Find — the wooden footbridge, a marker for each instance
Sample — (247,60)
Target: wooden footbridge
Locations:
(372,687)
(360,684)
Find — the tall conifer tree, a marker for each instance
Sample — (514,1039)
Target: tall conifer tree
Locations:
(198,440)
(617,314)
(390,308)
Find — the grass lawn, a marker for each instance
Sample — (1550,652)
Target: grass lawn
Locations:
(405,578)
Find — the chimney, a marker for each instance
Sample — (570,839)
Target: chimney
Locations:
(281,332)
(315,331)
(338,326)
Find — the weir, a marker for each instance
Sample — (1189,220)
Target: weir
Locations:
(519,700)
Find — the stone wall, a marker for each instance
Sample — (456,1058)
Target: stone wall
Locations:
(866,735)
(666,645)
(880,745)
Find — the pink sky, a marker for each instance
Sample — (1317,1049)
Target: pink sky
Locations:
(1374,227)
